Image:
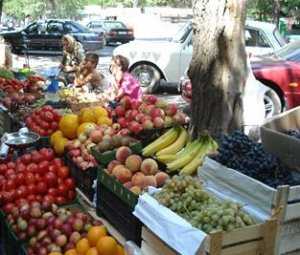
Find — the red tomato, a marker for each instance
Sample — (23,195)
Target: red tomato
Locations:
(58,162)
(43,167)
(60,181)
(31,189)
(9,172)
(63,172)
(26,159)
(62,189)
(38,177)
(41,188)
(10,185)
(39,198)
(53,192)
(69,183)
(9,196)
(56,116)
(20,202)
(8,208)
(52,169)
(51,179)
(3,168)
(32,167)
(22,192)
(47,108)
(11,165)
(71,195)
(45,125)
(48,116)
(60,200)
(47,153)
(36,157)
(54,125)
(31,198)
(29,178)
(50,199)
(20,167)
(20,179)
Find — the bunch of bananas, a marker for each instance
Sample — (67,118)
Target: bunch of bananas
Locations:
(176,149)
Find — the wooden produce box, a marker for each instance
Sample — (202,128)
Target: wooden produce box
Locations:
(253,240)
(275,141)
(284,201)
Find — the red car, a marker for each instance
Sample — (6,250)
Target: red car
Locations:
(281,71)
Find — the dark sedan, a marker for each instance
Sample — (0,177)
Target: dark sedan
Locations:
(115,31)
(46,35)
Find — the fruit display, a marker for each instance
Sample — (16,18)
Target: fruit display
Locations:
(186,197)
(150,113)
(240,153)
(43,121)
(11,85)
(78,95)
(134,172)
(175,149)
(97,242)
(35,176)
(47,228)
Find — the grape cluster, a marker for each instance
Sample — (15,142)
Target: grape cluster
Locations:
(293,132)
(239,152)
(186,197)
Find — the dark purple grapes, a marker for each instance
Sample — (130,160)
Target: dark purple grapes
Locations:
(239,152)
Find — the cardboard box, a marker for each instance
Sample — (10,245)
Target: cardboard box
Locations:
(275,141)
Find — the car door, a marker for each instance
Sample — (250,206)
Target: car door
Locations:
(54,34)
(33,36)
(256,42)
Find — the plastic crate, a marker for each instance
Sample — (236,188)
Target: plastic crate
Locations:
(84,180)
(118,212)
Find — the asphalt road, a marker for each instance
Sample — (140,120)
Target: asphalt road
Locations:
(39,63)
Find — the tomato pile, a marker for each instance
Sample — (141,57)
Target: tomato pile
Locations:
(43,121)
(36,176)
(12,85)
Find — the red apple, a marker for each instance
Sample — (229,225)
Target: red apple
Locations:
(123,122)
(158,122)
(150,99)
(120,111)
(148,124)
(156,112)
(135,104)
(171,109)
(124,132)
(135,127)
(126,102)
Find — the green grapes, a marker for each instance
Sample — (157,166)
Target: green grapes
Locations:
(186,197)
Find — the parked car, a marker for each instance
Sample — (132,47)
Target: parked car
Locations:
(281,71)
(46,36)
(257,101)
(152,61)
(115,31)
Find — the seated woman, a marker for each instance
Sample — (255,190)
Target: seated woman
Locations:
(87,77)
(73,55)
(124,82)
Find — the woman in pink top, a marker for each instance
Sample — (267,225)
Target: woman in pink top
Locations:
(125,83)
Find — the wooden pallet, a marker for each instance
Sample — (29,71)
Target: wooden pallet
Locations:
(253,240)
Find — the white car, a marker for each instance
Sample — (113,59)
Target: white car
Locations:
(153,61)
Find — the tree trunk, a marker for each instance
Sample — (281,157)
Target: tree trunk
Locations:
(276,12)
(53,4)
(218,68)
(1,9)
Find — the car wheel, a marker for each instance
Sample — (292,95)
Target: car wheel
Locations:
(273,105)
(147,75)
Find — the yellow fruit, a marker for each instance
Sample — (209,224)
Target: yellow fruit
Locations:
(57,134)
(87,115)
(82,246)
(107,246)
(92,251)
(71,252)
(95,233)
(104,121)
(68,124)
(84,126)
(100,112)
(55,253)
(59,145)
(120,250)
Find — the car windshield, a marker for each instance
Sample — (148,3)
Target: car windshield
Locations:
(290,52)
(114,25)
(182,33)
(81,28)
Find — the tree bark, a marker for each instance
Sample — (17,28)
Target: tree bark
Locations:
(276,12)
(218,68)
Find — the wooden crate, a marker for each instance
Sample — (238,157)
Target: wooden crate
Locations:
(253,240)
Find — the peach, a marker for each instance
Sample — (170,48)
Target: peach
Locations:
(150,181)
(136,190)
(149,166)
(138,179)
(161,178)
(122,153)
(133,163)
(158,122)
(116,170)
(124,175)
(96,136)
(112,164)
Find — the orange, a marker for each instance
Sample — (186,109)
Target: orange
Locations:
(82,246)
(95,233)
(92,251)
(68,124)
(71,252)
(59,145)
(120,250)
(107,246)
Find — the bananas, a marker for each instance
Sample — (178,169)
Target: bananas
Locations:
(177,145)
(162,142)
